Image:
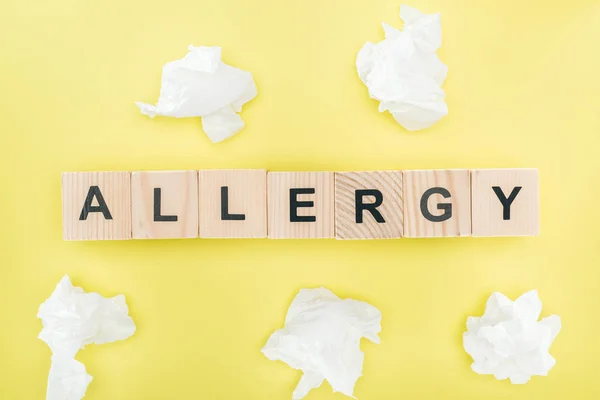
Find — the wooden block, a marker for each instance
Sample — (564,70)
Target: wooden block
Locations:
(96,205)
(164,204)
(505,202)
(368,205)
(233,204)
(437,203)
(301,205)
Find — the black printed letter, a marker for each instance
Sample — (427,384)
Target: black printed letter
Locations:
(295,204)
(157,216)
(370,207)
(88,207)
(506,202)
(447,207)
(225,216)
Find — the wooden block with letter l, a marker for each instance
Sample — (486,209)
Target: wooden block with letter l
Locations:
(368,205)
(505,202)
(437,203)
(301,205)
(96,205)
(233,203)
(164,204)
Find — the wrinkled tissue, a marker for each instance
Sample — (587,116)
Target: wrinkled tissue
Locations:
(201,85)
(321,337)
(508,341)
(404,73)
(73,318)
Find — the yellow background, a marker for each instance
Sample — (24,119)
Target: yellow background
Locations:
(523,90)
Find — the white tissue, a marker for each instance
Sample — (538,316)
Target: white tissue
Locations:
(72,319)
(201,85)
(404,73)
(508,341)
(321,337)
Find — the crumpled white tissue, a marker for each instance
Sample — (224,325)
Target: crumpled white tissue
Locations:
(404,73)
(72,319)
(321,337)
(201,85)
(508,341)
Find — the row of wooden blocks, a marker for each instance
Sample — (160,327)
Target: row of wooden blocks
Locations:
(296,205)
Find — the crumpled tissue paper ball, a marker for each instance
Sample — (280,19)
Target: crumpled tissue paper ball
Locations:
(321,337)
(73,318)
(201,85)
(508,341)
(403,71)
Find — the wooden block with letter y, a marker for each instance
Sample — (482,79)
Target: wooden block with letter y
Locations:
(233,203)
(301,205)
(437,203)
(164,204)
(368,205)
(505,202)
(96,205)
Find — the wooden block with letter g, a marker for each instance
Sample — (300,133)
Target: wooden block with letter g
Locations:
(233,203)
(301,205)
(96,205)
(505,202)
(164,204)
(368,205)
(437,203)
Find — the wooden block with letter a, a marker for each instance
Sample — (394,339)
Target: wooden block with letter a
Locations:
(233,203)
(437,203)
(368,205)
(505,202)
(96,205)
(164,204)
(301,205)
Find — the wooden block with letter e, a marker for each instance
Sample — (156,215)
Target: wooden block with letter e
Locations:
(233,203)
(96,205)
(301,205)
(164,204)
(505,202)
(437,203)
(368,205)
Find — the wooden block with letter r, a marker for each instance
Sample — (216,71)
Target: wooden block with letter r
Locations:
(505,202)
(233,203)
(301,205)
(96,205)
(368,205)
(164,204)
(437,203)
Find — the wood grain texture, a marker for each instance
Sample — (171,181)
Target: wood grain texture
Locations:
(178,197)
(488,212)
(457,182)
(115,190)
(389,183)
(247,195)
(279,185)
